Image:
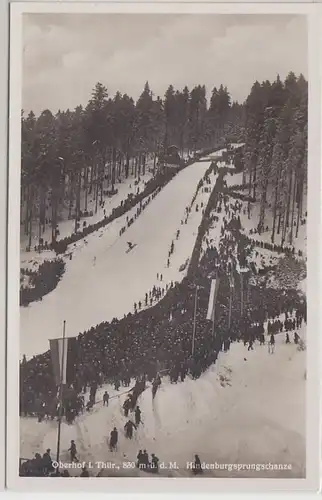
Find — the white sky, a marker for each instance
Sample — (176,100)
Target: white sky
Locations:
(66,54)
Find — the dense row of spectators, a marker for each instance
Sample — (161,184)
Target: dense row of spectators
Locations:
(279,249)
(142,206)
(159,181)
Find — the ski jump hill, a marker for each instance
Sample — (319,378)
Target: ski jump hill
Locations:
(248,408)
(102,281)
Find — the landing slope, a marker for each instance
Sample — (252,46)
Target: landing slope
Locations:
(102,281)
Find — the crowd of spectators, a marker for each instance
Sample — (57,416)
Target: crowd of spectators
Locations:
(159,337)
(40,282)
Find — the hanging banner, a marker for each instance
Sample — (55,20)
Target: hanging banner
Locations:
(212,299)
(64,359)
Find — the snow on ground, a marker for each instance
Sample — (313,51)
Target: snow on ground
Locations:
(302,286)
(234,179)
(287,274)
(32,260)
(102,281)
(214,156)
(217,154)
(67,227)
(250,224)
(261,257)
(249,408)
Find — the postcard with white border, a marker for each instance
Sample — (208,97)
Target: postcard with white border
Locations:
(163,248)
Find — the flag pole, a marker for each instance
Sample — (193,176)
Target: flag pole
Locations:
(60,413)
(194,322)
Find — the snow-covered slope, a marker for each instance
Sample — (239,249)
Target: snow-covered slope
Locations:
(102,281)
(66,226)
(249,408)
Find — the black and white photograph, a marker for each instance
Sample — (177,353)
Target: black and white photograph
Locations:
(163,245)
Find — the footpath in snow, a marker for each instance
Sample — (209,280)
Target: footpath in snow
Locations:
(102,281)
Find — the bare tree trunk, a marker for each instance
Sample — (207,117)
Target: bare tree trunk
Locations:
(43,210)
(53,211)
(262,207)
(41,214)
(96,189)
(127,165)
(287,212)
(71,197)
(30,217)
(95,182)
(21,203)
(113,168)
(86,187)
(154,162)
(27,211)
(301,197)
(279,221)
(299,212)
(102,176)
(254,160)
(78,192)
(275,205)
(91,179)
(284,227)
(39,234)
(123,160)
(136,166)
(119,167)
(293,208)
(110,170)
(139,165)
(249,191)
(181,141)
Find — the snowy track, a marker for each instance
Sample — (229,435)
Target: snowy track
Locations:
(102,281)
